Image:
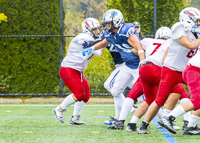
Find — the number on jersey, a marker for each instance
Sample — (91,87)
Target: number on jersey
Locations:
(191,53)
(157,47)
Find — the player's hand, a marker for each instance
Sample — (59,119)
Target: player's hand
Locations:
(196,30)
(86,44)
(87,51)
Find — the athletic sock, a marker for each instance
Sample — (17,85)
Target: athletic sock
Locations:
(78,106)
(160,113)
(193,121)
(67,102)
(134,119)
(187,115)
(166,112)
(177,111)
(118,101)
(126,108)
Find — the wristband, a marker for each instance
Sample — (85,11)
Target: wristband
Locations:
(140,51)
(93,48)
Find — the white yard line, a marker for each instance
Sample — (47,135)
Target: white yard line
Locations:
(53,105)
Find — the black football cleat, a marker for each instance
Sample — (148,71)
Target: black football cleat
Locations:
(117,125)
(131,127)
(185,125)
(166,122)
(143,128)
(191,131)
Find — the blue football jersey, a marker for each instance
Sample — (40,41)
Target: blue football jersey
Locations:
(114,53)
(120,40)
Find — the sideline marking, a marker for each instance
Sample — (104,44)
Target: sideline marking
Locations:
(69,108)
(112,105)
(63,116)
(164,132)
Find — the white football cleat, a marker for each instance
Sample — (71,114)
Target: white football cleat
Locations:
(76,120)
(58,111)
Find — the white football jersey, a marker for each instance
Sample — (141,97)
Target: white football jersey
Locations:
(178,55)
(74,58)
(195,60)
(157,56)
(151,45)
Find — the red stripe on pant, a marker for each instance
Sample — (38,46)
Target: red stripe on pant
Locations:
(72,79)
(191,76)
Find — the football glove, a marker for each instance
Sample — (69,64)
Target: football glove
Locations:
(88,50)
(196,30)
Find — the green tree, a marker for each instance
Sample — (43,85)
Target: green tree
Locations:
(32,64)
(142,11)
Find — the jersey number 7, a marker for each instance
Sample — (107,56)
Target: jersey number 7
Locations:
(157,47)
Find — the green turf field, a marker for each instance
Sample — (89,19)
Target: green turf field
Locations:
(35,123)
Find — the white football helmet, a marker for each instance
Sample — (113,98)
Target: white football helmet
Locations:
(88,24)
(163,32)
(113,16)
(189,15)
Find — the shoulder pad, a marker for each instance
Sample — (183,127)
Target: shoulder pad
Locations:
(125,27)
(186,26)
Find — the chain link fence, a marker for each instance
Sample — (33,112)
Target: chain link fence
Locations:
(35,34)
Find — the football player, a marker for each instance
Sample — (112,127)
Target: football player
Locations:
(71,71)
(125,38)
(150,46)
(190,74)
(182,47)
(119,64)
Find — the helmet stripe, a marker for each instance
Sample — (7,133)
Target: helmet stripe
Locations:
(87,23)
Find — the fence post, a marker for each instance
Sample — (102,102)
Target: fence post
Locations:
(155,15)
(61,44)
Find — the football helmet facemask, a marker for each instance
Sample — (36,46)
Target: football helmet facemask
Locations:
(89,26)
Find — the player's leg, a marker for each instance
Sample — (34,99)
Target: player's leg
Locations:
(135,92)
(150,93)
(169,79)
(76,117)
(72,79)
(170,104)
(191,76)
(150,80)
(109,84)
(123,79)
(192,128)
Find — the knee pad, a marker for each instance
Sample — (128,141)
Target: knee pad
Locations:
(114,92)
(107,86)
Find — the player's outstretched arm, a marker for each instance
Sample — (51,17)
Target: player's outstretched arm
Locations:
(97,46)
(134,42)
(185,41)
